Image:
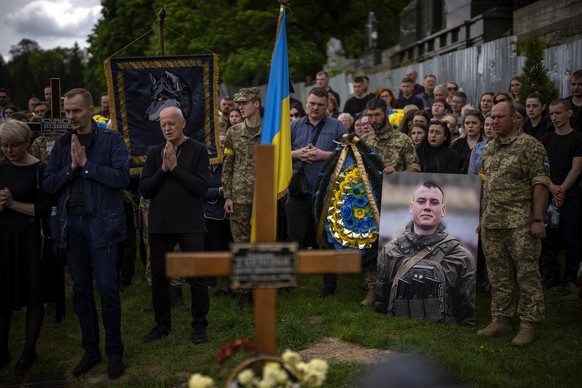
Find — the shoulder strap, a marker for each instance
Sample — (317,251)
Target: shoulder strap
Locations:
(317,132)
(403,270)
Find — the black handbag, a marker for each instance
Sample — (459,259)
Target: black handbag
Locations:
(298,185)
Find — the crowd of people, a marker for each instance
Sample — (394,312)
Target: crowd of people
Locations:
(528,156)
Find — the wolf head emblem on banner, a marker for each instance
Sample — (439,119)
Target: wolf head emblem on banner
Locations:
(167,91)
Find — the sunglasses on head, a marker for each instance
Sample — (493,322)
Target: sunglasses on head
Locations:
(499,100)
(439,121)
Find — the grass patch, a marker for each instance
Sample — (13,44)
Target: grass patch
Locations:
(304,319)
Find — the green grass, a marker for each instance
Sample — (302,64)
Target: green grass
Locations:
(551,361)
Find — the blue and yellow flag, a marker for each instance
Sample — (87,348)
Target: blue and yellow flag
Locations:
(276,123)
(276,128)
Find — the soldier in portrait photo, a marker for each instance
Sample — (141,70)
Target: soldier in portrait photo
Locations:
(427,269)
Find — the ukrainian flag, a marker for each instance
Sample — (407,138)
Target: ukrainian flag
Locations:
(276,128)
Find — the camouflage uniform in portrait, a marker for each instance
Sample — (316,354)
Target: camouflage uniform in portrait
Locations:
(394,147)
(238,175)
(510,169)
(458,266)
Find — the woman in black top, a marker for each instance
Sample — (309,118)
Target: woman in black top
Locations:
(22,204)
(434,154)
(537,124)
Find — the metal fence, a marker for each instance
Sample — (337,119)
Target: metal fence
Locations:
(487,67)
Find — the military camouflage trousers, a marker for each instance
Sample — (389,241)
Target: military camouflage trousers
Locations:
(513,267)
(240,222)
(144,207)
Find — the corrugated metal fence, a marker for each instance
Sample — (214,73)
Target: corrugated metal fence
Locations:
(488,67)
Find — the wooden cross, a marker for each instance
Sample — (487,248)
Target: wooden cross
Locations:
(55,102)
(190,264)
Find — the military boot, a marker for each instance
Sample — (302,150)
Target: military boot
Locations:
(371,287)
(176,299)
(495,328)
(525,336)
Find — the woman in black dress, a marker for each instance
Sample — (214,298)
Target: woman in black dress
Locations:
(22,204)
(434,153)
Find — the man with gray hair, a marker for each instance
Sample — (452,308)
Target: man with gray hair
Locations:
(175,179)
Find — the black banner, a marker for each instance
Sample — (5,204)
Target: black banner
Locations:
(141,87)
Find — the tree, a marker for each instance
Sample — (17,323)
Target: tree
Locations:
(241,32)
(535,75)
(31,69)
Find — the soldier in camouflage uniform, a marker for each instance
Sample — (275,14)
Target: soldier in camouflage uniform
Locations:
(39,148)
(394,147)
(515,176)
(238,175)
(458,265)
(396,151)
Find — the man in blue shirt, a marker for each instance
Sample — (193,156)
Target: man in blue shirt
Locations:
(313,140)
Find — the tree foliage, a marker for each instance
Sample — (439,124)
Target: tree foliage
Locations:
(31,68)
(535,75)
(240,32)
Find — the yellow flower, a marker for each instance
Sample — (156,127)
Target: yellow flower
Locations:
(200,381)
(359,213)
(246,377)
(290,357)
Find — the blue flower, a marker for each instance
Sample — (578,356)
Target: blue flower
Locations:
(349,200)
(349,222)
(361,202)
(346,212)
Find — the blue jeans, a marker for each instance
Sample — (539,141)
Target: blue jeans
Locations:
(84,260)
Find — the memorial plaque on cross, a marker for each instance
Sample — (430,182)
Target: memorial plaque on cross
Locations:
(190,264)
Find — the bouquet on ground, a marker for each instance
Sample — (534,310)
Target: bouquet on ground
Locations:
(287,371)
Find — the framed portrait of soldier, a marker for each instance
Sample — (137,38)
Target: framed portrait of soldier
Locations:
(428,247)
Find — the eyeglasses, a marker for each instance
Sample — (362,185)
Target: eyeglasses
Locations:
(365,124)
(452,88)
(11,146)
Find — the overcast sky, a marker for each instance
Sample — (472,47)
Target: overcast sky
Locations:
(50,23)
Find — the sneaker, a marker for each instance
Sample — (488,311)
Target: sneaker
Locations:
(22,365)
(199,334)
(86,364)
(158,332)
(568,288)
(327,292)
(495,329)
(525,336)
(115,368)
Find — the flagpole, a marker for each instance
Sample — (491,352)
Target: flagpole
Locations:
(161,17)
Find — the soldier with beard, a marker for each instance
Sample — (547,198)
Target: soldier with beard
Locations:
(394,147)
